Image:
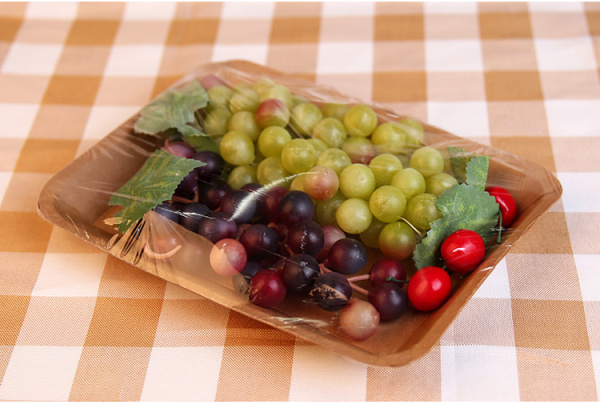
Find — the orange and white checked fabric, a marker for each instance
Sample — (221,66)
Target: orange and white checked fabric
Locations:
(77,324)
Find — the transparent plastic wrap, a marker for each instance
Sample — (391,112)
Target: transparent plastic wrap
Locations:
(78,200)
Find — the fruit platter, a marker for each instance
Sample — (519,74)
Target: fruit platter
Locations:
(348,225)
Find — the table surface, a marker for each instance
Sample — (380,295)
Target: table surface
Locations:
(78,324)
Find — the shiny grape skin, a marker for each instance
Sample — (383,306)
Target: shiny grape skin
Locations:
(211,193)
(347,256)
(268,203)
(191,215)
(390,300)
(306,237)
(213,165)
(188,186)
(384,268)
(216,226)
(260,241)
(171,211)
(239,204)
(300,272)
(267,288)
(331,291)
(296,206)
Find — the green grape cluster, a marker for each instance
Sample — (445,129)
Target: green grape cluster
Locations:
(374,179)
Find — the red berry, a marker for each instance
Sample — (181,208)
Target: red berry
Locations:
(508,207)
(463,250)
(267,288)
(429,288)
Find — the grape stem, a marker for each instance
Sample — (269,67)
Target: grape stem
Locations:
(499,227)
(412,226)
(351,280)
(392,279)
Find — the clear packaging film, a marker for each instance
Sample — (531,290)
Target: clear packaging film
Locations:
(77,199)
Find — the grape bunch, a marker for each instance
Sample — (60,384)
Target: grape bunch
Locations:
(296,194)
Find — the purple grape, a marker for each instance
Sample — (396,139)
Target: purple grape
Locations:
(390,300)
(211,193)
(188,186)
(331,291)
(295,206)
(384,268)
(251,269)
(191,215)
(216,226)
(252,187)
(267,288)
(306,237)
(260,241)
(240,204)
(347,256)
(171,211)
(300,272)
(213,165)
(268,205)
(179,149)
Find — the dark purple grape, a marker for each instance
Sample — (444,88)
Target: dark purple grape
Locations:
(211,194)
(252,187)
(300,271)
(385,268)
(331,291)
(282,231)
(296,206)
(251,269)
(241,281)
(179,149)
(347,256)
(389,299)
(169,210)
(260,241)
(216,226)
(306,237)
(188,186)
(267,288)
(268,205)
(240,204)
(213,165)
(191,215)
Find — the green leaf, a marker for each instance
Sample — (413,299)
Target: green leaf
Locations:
(459,158)
(174,108)
(463,207)
(202,143)
(153,184)
(477,171)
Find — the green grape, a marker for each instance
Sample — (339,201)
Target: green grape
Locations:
(331,131)
(217,121)
(384,167)
(336,159)
(357,181)
(304,117)
(335,110)
(297,183)
(370,237)
(242,175)
(397,240)
(438,183)
(262,84)
(410,182)
(360,120)
(244,99)
(237,148)
(279,92)
(354,216)
(298,99)
(270,171)
(298,156)
(389,137)
(272,140)
(416,134)
(326,210)
(219,96)
(421,211)
(387,203)
(427,161)
(359,149)
(244,121)
(319,145)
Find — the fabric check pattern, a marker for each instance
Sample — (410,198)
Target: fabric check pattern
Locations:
(78,324)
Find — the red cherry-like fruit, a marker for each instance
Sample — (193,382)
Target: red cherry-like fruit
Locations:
(508,207)
(463,250)
(429,288)
(267,288)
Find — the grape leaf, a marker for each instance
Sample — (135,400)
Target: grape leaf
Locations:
(459,158)
(174,108)
(477,170)
(153,184)
(463,207)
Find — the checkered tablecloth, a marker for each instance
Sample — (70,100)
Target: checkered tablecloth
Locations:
(77,324)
